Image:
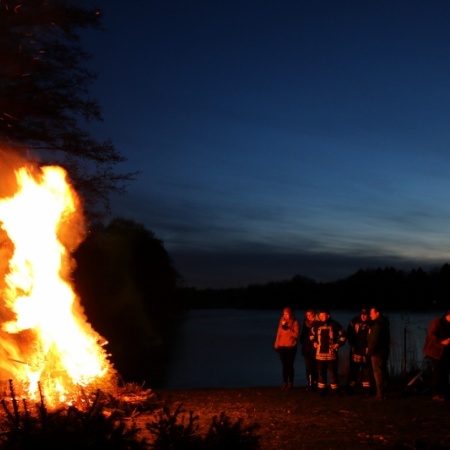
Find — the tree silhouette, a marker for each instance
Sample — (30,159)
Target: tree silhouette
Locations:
(127,284)
(44,99)
(390,288)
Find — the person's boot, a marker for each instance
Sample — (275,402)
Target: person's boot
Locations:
(309,387)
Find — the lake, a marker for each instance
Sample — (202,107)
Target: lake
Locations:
(234,348)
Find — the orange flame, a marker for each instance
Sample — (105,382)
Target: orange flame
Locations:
(45,339)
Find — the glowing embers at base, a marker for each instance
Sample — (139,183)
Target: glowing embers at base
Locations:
(45,338)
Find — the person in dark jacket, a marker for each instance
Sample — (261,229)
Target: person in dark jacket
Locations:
(437,349)
(308,350)
(360,363)
(327,336)
(378,346)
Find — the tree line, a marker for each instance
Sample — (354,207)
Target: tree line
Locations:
(390,288)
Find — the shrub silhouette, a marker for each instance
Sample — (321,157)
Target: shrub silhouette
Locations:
(224,434)
(176,431)
(173,431)
(68,428)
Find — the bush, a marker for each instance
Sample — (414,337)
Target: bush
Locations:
(172,432)
(65,428)
(176,431)
(223,434)
(97,428)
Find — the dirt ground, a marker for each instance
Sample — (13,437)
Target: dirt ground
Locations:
(297,419)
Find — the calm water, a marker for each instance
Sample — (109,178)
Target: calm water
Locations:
(234,348)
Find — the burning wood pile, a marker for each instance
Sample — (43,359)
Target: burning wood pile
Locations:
(47,346)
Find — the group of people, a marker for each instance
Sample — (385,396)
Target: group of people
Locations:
(320,338)
(368,335)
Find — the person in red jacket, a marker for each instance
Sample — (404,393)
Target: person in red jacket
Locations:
(437,349)
(286,345)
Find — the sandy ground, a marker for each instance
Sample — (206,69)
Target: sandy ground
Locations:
(298,419)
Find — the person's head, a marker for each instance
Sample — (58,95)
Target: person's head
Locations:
(324,315)
(375,312)
(310,315)
(447,316)
(364,314)
(288,313)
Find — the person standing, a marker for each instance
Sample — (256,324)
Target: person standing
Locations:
(308,350)
(360,363)
(286,345)
(437,349)
(378,346)
(327,336)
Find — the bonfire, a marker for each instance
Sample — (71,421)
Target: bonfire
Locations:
(47,346)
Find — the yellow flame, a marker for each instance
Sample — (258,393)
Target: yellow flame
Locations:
(46,339)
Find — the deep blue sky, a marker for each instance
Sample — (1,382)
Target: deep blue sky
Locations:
(281,137)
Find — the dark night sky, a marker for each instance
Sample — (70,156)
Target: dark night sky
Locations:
(281,137)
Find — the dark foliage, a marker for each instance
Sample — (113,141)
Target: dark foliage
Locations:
(127,284)
(176,431)
(173,431)
(24,427)
(131,399)
(387,287)
(44,93)
(224,434)
(97,428)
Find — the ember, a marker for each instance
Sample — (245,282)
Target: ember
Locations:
(46,342)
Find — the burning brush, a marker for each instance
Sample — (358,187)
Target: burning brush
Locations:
(46,341)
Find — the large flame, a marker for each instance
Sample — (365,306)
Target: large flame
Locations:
(46,343)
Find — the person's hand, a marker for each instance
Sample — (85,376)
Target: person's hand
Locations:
(445,341)
(316,345)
